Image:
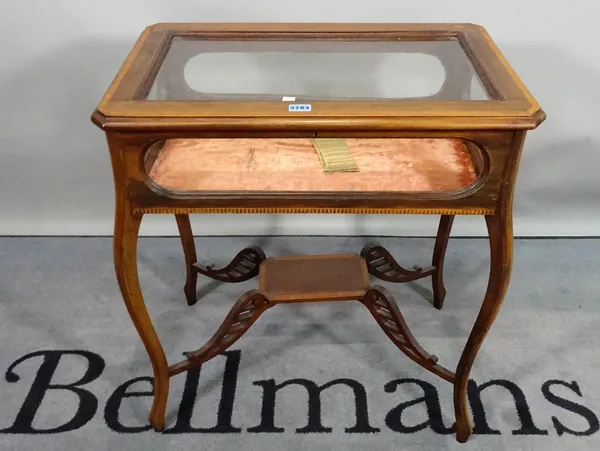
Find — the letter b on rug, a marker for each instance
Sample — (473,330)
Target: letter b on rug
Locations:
(42,384)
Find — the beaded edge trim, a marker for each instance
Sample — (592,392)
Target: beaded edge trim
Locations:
(312,210)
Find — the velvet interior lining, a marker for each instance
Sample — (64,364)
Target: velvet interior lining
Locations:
(397,164)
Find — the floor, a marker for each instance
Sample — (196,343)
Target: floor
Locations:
(318,376)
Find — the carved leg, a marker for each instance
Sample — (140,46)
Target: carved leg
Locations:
(189,252)
(125,256)
(244,266)
(501,246)
(439,252)
(382,265)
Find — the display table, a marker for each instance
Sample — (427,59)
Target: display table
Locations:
(315,118)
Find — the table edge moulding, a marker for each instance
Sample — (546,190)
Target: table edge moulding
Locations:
(143,134)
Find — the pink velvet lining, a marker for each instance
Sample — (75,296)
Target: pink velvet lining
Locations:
(293,165)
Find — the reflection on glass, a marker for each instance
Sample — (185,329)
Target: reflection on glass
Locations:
(204,70)
(325,75)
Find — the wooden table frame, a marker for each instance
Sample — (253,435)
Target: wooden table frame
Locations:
(497,127)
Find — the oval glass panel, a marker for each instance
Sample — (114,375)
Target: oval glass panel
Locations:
(314,165)
(316,75)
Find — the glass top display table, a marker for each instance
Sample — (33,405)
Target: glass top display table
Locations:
(315,118)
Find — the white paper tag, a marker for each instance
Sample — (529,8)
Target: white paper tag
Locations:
(288,99)
(299,107)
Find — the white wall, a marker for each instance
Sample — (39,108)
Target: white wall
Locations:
(58,58)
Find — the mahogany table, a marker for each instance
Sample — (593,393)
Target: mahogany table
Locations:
(227,118)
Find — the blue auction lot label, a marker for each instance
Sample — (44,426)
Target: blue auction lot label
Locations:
(299,107)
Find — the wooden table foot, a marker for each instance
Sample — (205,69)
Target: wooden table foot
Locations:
(157,421)
(463,429)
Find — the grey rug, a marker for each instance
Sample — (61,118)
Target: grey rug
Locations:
(75,375)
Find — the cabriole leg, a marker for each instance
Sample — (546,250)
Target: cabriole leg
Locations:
(501,245)
(127,227)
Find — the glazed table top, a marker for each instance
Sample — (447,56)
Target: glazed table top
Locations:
(316,76)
